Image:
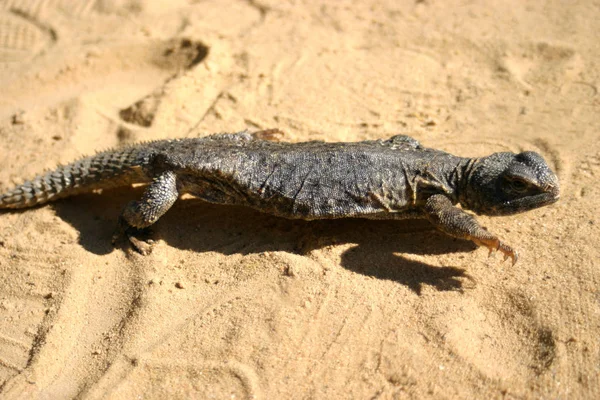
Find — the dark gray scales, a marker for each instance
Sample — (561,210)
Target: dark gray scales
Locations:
(379,179)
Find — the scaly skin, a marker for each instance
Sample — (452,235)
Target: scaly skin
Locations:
(381,179)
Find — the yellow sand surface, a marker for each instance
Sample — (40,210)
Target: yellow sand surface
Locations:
(234,304)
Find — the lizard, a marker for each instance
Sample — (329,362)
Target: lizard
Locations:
(395,178)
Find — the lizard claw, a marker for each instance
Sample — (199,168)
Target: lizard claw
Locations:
(508,252)
(496,245)
(491,248)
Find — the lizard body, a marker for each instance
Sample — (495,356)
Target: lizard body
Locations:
(379,179)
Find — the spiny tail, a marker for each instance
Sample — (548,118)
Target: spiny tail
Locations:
(103,170)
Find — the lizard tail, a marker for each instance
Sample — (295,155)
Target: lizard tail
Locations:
(101,171)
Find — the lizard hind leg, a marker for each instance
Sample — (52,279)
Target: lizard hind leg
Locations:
(138,216)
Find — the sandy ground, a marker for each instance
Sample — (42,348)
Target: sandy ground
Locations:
(226,306)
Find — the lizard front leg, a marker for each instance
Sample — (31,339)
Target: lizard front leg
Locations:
(456,222)
(138,215)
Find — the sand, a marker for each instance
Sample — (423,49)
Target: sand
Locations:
(236,304)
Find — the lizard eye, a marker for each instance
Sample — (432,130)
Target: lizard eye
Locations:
(517,185)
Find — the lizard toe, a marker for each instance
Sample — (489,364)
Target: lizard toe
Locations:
(509,252)
(496,245)
(144,247)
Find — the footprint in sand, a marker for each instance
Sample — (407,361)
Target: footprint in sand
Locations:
(30,293)
(502,337)
(541,63)
(108,89)
(158,379)
(21,39)
(24,32)
(177,54)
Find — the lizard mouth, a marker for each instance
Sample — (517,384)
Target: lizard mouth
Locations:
(528,203)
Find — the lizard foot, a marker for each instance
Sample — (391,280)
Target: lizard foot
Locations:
(144,247)
(497,245)
(134,236)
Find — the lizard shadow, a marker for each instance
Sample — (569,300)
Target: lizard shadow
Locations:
(383,247)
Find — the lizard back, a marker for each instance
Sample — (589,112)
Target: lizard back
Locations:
(309,180)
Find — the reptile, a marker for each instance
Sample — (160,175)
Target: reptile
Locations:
(395,178)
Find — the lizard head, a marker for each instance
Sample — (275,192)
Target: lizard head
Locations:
(508,183)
